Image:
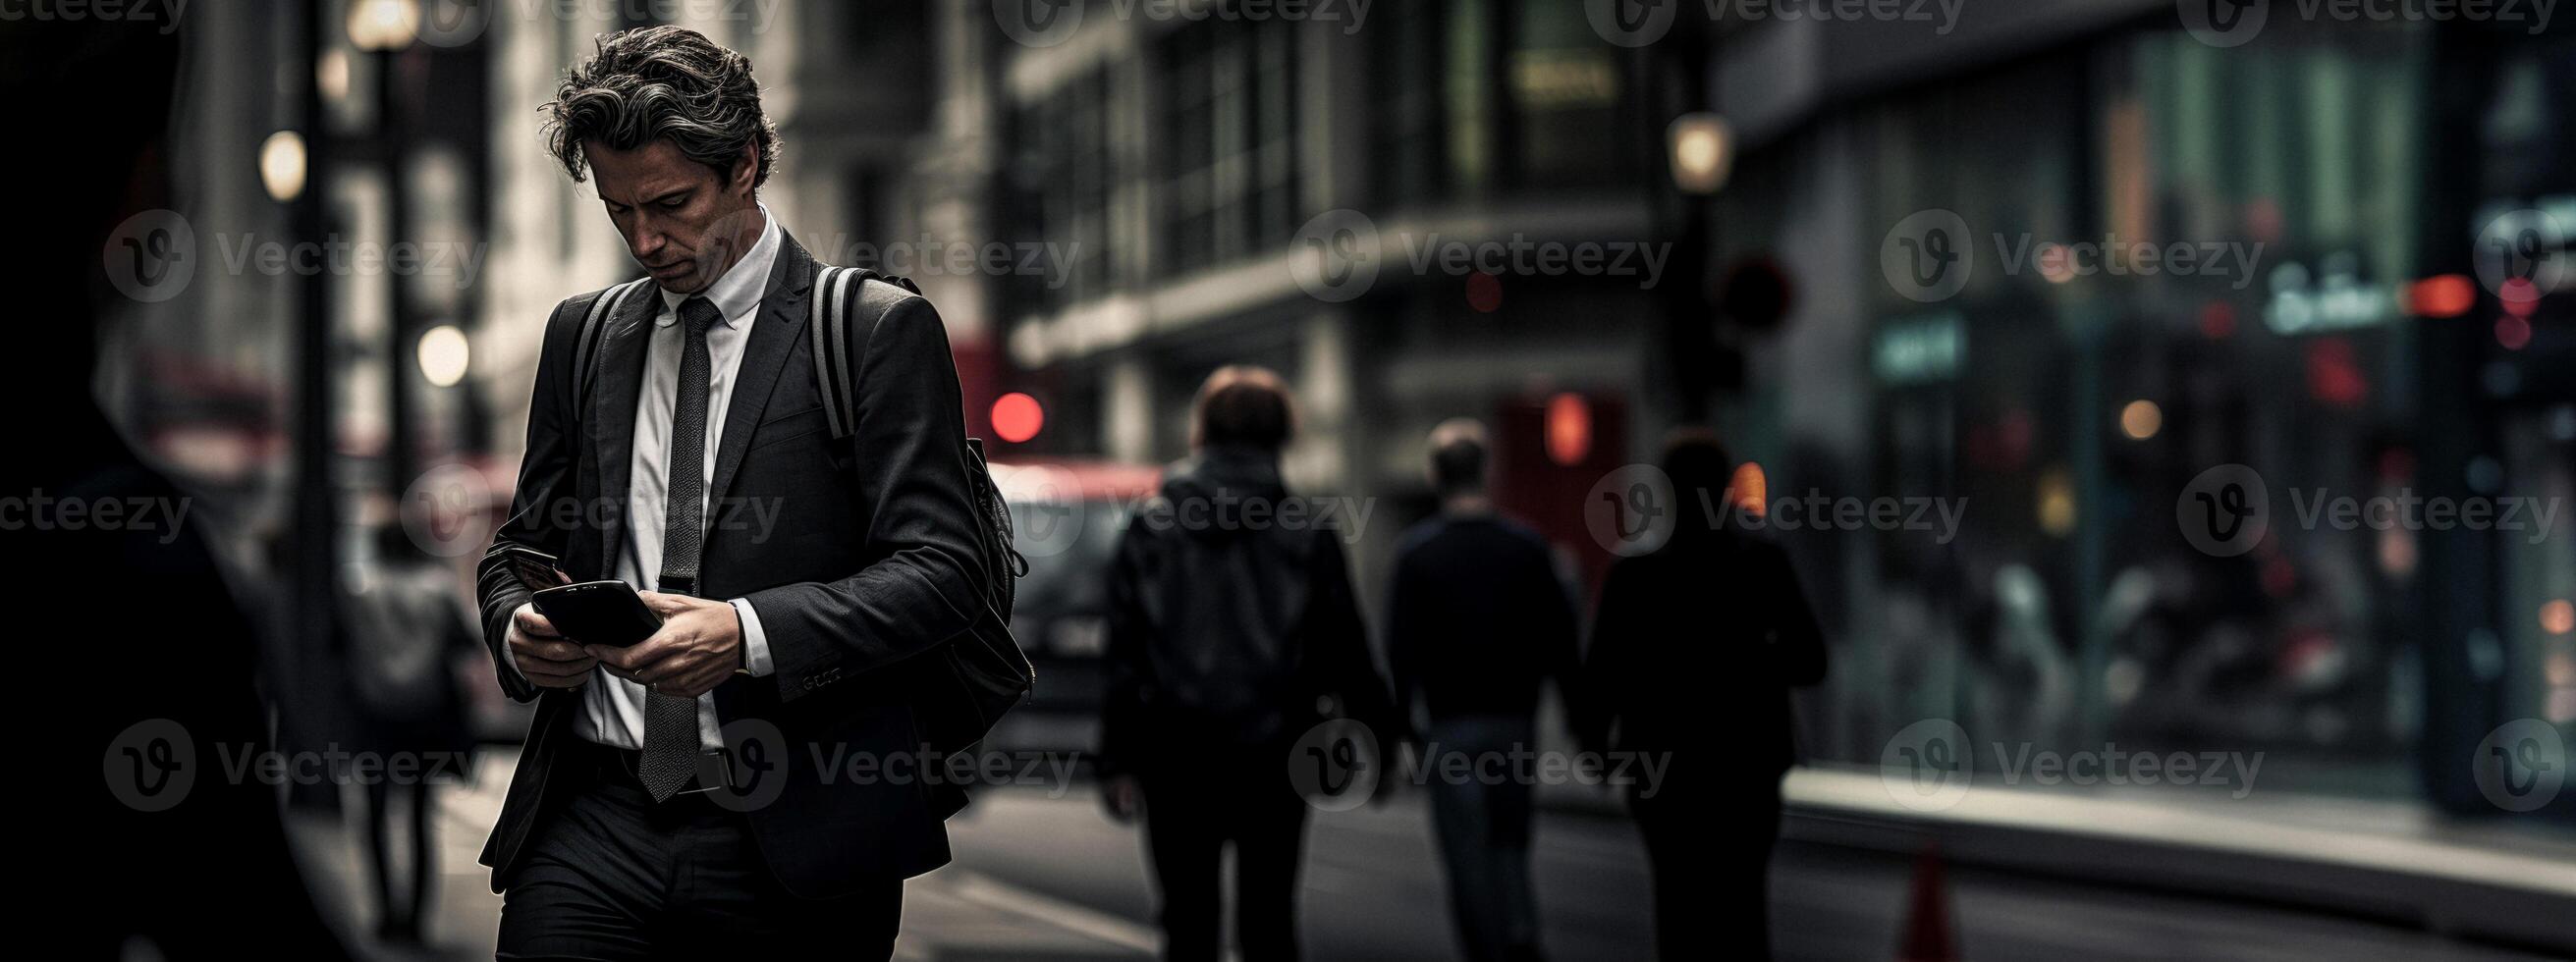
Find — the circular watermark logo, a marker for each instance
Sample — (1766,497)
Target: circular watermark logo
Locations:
(453,23)
(756,756)
(1336,765)
(1046,509)
(151,256)
(1928,766)
(439,508)
(2522,247)
(1928,255)
(1335,257)
(1632,511)
(2521,765)
(2223,23)
(2225,511)
(1038,23)
(151,765)
(1631,23)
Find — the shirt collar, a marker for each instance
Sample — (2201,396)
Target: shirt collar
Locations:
(738,291)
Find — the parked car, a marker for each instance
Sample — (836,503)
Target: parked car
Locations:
(1067,517)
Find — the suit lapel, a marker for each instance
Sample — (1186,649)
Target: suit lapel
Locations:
(612,415)
(764,359)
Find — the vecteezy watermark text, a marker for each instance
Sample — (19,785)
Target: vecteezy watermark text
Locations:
(928,256)
(1045,23)
(163,12)
(1637,508)
(1930,255)
(1930,766)
(38,511)
(2230,23)
(153,255)
(1636,23)
(2226,510)
(2408,511)
(1339,254)
(154,764)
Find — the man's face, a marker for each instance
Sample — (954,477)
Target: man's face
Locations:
(681,219)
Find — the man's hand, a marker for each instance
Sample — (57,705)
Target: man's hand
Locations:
(1122,797)
(543,655)
(699,646)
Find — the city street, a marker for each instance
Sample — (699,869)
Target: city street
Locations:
(2110,464)
(1040,876)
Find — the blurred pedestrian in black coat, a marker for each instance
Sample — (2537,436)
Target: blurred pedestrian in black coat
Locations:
(145,677)
(408,623)
(1231,619)
(1695,646)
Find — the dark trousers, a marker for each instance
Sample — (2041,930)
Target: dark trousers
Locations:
(1484,829)
(615,876)
(400,918)
(1709,849)
(1189,819)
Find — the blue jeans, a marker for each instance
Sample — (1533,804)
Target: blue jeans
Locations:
(1485,832)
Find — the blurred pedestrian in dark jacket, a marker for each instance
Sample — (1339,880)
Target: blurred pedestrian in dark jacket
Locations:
(1695,646)
(1477,618)
(155,666)
(408,623)
(1231,622)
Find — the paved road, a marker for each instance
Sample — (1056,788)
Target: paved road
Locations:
(1042,877)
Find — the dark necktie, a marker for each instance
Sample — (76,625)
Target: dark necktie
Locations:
(671,722)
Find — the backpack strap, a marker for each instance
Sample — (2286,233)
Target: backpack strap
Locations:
(838,293)
(822,328)
(585,355)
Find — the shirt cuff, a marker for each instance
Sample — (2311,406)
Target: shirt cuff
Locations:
(755,642)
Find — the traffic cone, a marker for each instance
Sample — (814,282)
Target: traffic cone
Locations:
(1927,935)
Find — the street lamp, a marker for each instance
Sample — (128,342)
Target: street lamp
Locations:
(281,165)
(385,30)
(444,354)
(383,25)
(1703,152)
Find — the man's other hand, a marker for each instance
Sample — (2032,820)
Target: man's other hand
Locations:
(1122,797)
(543,655)
(699,646)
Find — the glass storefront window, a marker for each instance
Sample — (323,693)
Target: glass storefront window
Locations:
(2179,260)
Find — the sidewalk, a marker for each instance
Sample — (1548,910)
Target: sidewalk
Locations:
(947,915)
(2509,883)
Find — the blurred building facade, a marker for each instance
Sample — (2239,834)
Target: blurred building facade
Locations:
(1209,177)
(1166,190)
(2374,344)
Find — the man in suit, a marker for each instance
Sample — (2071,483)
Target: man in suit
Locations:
(794,572)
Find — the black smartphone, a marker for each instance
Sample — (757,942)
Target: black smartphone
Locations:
(535,568)
(598,613)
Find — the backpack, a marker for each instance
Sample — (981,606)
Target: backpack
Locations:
(990,672)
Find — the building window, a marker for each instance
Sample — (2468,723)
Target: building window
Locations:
(1067,170)
(1228,161)
(1477,97)
(1569,125)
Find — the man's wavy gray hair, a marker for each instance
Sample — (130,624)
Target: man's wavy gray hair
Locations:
(662,83)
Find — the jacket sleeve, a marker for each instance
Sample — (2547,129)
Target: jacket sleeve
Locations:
(923,580)
(1560,635)
(1606,669)
(1797,646)
(1126,668)
(1405,625)
(538,509)
(1338,648)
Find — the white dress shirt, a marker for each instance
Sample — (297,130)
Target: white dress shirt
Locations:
(612,707)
